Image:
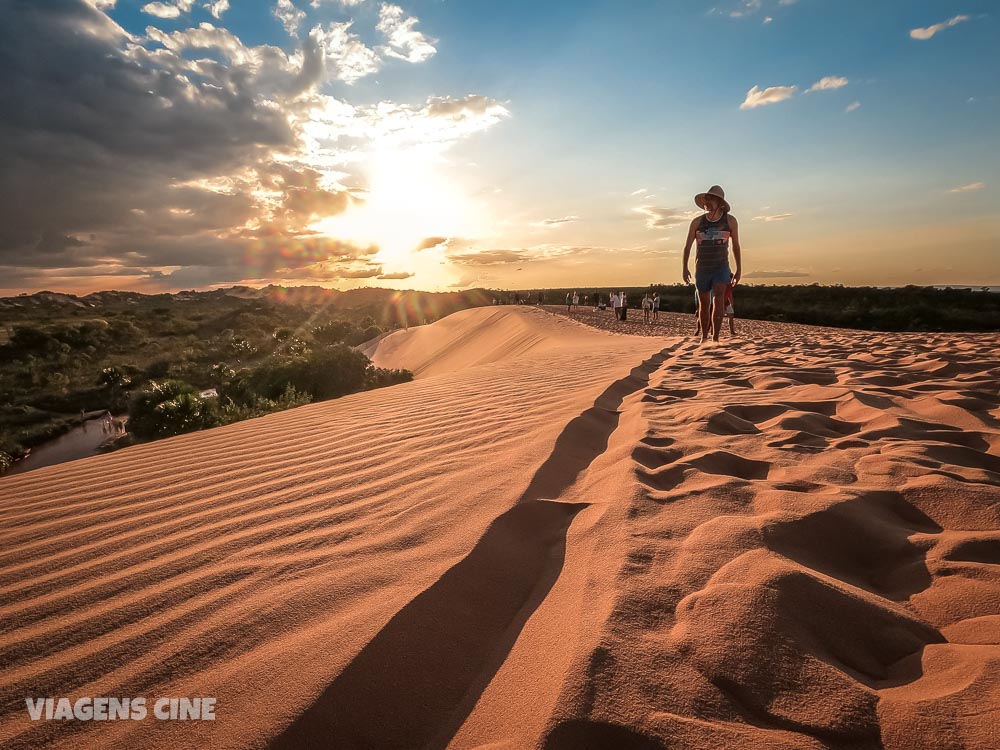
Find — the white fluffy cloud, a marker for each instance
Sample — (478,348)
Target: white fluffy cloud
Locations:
(161,10)
(852,106)
(290,16)
(344,50)
(758,98)
(828,84)
(441,121)
(658,217)
(168,10)
(217,7)
(929,31)
(403,40)
(968,188)
(773,217)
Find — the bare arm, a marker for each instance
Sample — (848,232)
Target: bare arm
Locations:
(692,233)
(734,234)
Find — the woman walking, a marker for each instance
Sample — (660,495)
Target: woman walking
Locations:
(713,231)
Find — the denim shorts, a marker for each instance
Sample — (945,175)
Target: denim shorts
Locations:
(705,280)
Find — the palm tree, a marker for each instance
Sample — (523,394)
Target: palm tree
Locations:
(116,380)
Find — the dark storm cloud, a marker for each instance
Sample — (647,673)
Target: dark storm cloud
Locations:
(118,149)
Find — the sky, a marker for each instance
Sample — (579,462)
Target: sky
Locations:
(449,144)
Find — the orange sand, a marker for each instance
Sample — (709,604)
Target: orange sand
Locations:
(555,537)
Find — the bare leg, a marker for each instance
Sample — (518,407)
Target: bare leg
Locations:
(718,309)
(705,313)
(732,324)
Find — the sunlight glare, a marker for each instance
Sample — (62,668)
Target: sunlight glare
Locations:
(408,200)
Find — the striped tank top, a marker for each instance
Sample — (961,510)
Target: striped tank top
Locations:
(713,244)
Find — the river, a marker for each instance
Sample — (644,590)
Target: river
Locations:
(80,442)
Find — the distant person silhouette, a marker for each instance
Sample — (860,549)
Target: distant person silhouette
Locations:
(713,231)
(616,305)
(624,299)
(656,305)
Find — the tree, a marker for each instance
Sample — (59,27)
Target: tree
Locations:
(169,408)
(116,380)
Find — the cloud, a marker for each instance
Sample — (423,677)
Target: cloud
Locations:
(928,32)
(852,106)
(363,273)
(768,19)
(490,257)
(217,7)
(640,191)
(396,275)
(555,222)
(968,188)
(774,217)
(440,121)
(757,98)
(290,16)
(775,275)
(429,242)
(344,3)
(207,160)
(828,84)
(344,51)
(169,10)
(161,10)
(404,42)
(747,7)
(658,217)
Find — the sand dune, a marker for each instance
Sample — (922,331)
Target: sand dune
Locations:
(555,537)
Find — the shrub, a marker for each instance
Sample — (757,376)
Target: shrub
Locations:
(326,373)
(169,408)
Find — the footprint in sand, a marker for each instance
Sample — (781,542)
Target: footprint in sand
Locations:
(677,393)
(662,479)
(654,458)
(755,412)
(725,423)
(657,442)
(975,551)
(803,442)
(730,464)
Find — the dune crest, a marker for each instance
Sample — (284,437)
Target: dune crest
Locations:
(553,538)
(474,337)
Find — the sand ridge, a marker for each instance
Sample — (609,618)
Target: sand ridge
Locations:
(555,537)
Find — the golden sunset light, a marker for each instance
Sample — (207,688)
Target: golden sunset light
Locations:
(455,375)
(408,199)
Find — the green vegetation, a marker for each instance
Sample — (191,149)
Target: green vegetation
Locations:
(264,350)
(909,308)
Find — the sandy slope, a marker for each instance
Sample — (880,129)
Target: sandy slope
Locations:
(555,537)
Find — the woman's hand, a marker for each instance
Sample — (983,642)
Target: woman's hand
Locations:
(687,275)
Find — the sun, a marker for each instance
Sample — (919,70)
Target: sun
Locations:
(409,199)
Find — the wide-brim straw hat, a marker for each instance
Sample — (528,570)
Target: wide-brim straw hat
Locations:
(718,192)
